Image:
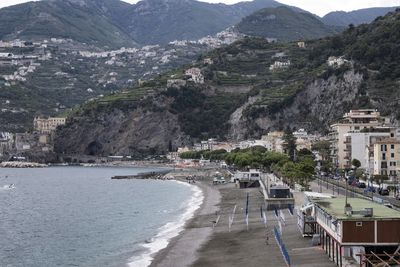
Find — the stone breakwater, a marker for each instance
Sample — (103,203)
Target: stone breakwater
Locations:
(18,164)
(148,175)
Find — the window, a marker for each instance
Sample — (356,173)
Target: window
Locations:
(383,147)
(359,224)
(384,165)
(392,155)
(392,146)
(391,134)
(384,156)
(393,163)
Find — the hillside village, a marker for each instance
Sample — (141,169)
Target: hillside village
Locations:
(82,72)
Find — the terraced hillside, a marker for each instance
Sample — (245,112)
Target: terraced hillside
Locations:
(251,87)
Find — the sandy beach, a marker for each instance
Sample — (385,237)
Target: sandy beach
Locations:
(181,251)
(201,244)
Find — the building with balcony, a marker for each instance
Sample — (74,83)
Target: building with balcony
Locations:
(360,144)
(47,125)
(387,158)
(354,121)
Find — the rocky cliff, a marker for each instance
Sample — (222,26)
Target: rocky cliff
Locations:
(250,88)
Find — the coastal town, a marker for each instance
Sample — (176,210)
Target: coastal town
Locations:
(353,187)
(187,133)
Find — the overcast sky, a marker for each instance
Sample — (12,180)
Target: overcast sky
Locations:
(319,7)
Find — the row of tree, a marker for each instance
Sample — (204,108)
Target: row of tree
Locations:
(293,166)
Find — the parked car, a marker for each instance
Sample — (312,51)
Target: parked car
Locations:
(219,180)
(361,185)
(383,192)
(370,189)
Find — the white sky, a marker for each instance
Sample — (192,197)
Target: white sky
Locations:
(319,7)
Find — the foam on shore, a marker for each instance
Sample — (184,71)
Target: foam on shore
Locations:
(169,230)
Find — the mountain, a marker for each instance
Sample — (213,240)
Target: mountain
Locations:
(115,23)
(86,21)
(357,17)
(284,24)
(162,21)
(242,97)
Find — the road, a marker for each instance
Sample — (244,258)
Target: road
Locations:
(338,188)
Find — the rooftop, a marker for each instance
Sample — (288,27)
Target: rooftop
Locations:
(388,141)
(335,207)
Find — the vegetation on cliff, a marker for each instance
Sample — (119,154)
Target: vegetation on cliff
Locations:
(306,92)
(284,24)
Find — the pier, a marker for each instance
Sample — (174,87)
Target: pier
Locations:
(145,175)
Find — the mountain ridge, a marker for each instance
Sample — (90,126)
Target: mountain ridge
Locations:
(115,23)
(284,24)
(355,17)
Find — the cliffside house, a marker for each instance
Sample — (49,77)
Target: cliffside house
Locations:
(337,61)
(280,65)
(195,74)
(47,125)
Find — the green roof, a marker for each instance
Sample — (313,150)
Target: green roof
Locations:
(335,207)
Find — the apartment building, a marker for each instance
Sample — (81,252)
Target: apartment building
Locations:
(387,157)
(47,125)
(353,122)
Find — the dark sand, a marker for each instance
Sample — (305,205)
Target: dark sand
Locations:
(202,245)
(181,251)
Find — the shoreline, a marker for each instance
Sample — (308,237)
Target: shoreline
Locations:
(182,249)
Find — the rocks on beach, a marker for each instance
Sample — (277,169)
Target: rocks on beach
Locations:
(20,164)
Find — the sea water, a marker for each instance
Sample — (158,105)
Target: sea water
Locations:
(76,216)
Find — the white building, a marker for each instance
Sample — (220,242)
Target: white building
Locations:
(337,61)
(280,65)
(352,122)
(360,145)
(195,74)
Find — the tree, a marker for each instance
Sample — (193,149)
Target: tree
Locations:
(323,148)
(289,144)
(356,163)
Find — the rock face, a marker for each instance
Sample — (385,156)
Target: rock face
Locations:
(134,132)
(321,103)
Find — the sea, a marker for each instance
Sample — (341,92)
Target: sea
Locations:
(79,216)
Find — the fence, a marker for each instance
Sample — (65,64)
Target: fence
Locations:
(282,247)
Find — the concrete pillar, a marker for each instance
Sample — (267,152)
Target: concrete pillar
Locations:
(337,253)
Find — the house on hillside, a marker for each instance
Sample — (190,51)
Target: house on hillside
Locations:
(301,44)
(195,74)
(280,65)
(336,62)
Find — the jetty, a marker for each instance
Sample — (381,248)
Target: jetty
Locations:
(144,175)
(21,164)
